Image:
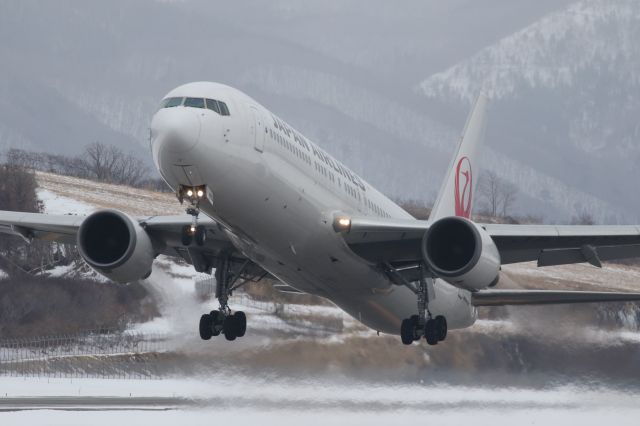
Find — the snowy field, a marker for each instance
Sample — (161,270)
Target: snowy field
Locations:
(273,401)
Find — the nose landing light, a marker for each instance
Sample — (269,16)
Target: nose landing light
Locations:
(192,194)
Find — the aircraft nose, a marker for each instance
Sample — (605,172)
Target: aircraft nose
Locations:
(175,130)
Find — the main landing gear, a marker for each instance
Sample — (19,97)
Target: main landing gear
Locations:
(222,321)
(412,329)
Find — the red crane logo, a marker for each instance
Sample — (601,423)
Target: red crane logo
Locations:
(464,185)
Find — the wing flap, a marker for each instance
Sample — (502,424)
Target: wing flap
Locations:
(590,254)
(547,297)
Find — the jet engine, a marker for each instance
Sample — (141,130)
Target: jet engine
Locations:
(116,246)
(462,253)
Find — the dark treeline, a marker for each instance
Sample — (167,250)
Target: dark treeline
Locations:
(18,193)
(104,163)
(32,306)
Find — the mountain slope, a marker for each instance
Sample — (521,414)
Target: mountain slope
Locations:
(76,72)
(566,97)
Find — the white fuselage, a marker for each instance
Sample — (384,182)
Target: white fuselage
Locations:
(276,193)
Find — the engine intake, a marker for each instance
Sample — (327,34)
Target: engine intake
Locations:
(461,253)
(116,246)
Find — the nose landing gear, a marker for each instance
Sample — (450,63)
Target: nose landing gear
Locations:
(193,195)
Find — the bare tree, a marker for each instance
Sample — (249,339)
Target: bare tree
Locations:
(130,171)
(499,194)
(584,217)
(108,163)
(489,188)
(100,161)
(18,189)
(509,193)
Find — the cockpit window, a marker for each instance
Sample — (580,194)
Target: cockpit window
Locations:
(212,104)
(218,106)
(223,108)
(194,102)
(172,102)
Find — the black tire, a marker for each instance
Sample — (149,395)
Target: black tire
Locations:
(206,327)
(229,328)
(201,235)
(415,321)
(406,331)
(441,327)
(431,333)
(187,236)
(217,319)
(241,323)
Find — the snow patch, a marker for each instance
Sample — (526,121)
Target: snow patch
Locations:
(58,204)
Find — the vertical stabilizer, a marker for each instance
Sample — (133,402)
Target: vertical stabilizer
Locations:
(458,190)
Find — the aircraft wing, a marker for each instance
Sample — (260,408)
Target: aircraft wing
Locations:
(165,232)
(398,241)
(60,228)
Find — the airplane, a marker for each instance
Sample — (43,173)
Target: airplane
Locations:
(262,200)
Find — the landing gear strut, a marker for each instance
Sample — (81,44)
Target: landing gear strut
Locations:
(193,195)
(222,321)
(412,329)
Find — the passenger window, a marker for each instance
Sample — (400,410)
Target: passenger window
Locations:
(223,108)
(172,102)
(194,102)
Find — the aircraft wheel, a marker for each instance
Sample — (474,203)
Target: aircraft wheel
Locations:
(229,328)
(431,332)
(217,321)
(415,321)
(206,327)
(441,327)
(201,235)
(406,331)
(187,236)
(241,323)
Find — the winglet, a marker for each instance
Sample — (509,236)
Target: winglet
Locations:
(458,190)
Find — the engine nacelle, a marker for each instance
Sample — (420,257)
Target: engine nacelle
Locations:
(462,253)
(116,246)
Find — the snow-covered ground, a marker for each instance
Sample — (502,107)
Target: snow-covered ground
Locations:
(62,193)
(55,203)
(270,401)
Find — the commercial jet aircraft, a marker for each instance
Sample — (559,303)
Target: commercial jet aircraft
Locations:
(262,200)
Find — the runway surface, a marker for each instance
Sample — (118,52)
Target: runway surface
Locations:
(89,403)
(272,400)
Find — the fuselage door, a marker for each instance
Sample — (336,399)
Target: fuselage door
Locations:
(257,129)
